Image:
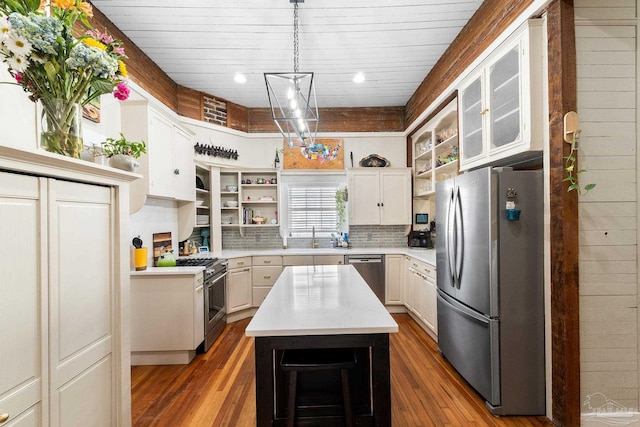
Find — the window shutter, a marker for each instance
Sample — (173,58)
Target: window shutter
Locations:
(312,206)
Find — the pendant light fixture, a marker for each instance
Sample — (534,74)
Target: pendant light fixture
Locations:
(292,97)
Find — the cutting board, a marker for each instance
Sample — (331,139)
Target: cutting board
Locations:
(161,244)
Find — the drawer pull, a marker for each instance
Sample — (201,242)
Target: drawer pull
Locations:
(4,418)
(267,277)
(240,262)
(246,269)
(427,270)
(267,261)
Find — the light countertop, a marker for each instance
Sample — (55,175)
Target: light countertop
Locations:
(425,255)
(163,271)
(320,300)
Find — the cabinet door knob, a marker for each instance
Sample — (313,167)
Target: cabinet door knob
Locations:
(4,418)
(176,171)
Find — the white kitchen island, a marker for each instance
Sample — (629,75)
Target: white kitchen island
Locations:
(328,306)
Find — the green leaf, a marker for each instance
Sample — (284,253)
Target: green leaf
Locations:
(569,178)
(589,187)
(102,86)
(573,187)
(32,5)
(569,168)
(50,69)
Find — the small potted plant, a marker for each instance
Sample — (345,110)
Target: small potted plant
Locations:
(122,152)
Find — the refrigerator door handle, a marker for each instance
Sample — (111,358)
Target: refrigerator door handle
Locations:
(448,243)
(461,310)
(459,246)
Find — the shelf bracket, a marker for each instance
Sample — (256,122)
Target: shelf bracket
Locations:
(571,127)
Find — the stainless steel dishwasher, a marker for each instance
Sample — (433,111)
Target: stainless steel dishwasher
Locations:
(371,268)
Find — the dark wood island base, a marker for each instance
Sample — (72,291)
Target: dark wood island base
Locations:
(371,393)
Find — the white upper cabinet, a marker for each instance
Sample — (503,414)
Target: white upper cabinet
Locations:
(379,196)
(502,102)
(168,168)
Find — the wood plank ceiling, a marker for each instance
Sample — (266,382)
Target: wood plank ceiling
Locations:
(202,44)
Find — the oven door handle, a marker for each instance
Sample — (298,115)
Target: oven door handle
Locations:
(214,279)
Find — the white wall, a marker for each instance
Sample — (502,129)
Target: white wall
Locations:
(606,45)
(17,114)
(258,150)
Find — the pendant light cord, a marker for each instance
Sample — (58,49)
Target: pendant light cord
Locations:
(295,37)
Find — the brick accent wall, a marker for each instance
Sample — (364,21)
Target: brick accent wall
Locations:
(215,111)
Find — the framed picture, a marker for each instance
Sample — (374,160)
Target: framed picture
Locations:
(91,111)
(324,153)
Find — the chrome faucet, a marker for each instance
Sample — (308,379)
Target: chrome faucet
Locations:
(314,244)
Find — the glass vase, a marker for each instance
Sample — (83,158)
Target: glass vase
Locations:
(61,127)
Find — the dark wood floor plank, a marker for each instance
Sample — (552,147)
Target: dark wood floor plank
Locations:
(218,387)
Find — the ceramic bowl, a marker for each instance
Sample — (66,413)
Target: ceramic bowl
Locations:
(226,219)
(232,204)
(232,188)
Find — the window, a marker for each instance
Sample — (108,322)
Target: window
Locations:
(312,205)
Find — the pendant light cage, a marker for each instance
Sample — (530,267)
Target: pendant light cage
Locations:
(292,98)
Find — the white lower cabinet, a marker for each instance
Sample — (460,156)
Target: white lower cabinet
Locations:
(239,284)
(289,260)
(167,318)
(265,272)
(421,293)
(328,259)
(394,278)
(59,309)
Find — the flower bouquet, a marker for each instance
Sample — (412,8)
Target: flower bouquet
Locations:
(60,70)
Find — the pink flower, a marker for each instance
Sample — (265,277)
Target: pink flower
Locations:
(18,78)
(107,39)
(119,50)
(122,91)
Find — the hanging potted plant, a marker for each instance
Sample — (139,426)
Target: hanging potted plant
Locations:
(122,152)
(570,171)
(341,204)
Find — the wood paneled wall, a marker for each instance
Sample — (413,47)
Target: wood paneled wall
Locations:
(189,103)
(607,79)
(565,325)
(489,21)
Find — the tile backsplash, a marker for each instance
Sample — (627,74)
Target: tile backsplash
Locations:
(360,236)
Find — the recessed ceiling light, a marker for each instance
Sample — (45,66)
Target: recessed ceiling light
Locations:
(240,78)
(359,78)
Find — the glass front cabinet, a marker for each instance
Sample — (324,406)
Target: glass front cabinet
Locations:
(502,102)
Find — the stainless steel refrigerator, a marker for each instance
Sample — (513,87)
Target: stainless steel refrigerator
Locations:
(490,285)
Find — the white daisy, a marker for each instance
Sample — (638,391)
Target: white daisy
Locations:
(18,45)
(5,27)
(18,63)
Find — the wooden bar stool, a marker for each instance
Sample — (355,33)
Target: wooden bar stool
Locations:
(318,359)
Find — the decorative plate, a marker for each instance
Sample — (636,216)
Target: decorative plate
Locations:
(374,161)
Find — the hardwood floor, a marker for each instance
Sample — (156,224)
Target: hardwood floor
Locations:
(218,387)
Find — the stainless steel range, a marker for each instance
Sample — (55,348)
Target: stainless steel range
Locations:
(215,312)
